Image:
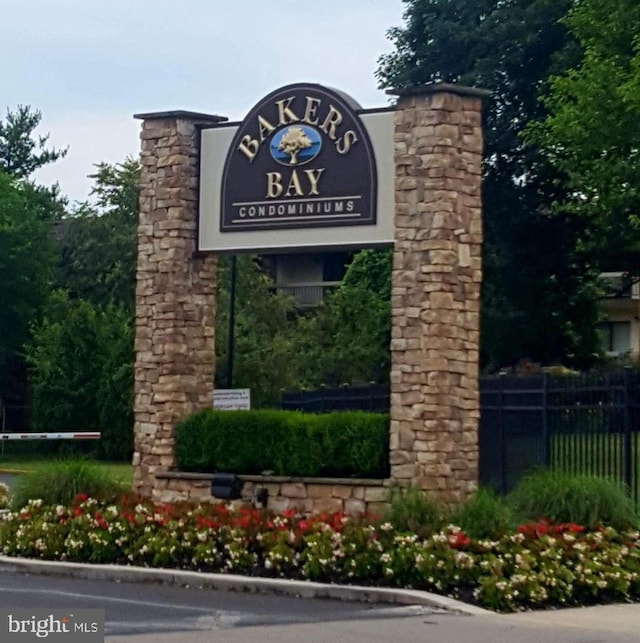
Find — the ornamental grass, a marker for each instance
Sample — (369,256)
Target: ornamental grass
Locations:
(539,564)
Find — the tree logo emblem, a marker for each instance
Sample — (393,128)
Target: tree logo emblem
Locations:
(295,145)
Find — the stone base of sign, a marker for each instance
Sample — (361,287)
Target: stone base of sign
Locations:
(435,325)
(175,294)
(309,495)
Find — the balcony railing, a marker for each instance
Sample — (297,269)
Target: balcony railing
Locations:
(618,285)
(308,294)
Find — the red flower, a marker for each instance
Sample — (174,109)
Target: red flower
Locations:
(242,521)
(337,520)
(80,498)
(542,528)
(205,522)
(101,523)
(130,517)
(458,540)
(221,509)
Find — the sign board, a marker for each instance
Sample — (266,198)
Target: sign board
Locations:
(232,399)
(306,169)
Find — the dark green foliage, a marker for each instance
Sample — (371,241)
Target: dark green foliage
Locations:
(484,515)
(265,355)
(411,509)
(98,244)
(349,444)
(347,340)
(27,255)
(81,374)
(26,263)
(539,299)
(591,133)
(115,387)
(81,354)
(578,498)
(59,482)
(20,152)
(344,340)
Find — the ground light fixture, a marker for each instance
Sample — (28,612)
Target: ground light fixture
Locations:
(228,486)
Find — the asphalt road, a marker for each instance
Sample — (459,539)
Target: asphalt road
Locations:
(158,613)
(132,608)
(155,613)
(7,478)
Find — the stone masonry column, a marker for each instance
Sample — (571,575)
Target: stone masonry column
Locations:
(436,281)
(175,294)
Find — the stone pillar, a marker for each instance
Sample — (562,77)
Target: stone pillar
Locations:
(175,294)
(436,290)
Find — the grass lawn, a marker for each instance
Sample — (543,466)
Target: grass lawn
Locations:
(18,463)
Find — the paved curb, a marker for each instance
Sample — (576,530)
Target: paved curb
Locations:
(235,583)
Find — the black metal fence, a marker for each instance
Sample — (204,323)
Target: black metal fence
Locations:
(370,397)
(582,424)
(588,423)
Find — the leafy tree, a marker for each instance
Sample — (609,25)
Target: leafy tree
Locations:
(26,212)
(81,353)
(98,242)
(347,339)
(81,371)
(81,357)
(116,189)
(537,293)
(21,152)
(591,135)
(115,385)
(64,357)
(265,358)
(26,271)
(371,270)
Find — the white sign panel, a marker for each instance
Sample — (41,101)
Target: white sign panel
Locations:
(232,399)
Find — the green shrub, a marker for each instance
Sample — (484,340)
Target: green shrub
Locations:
(59,482)
(411,509)
(579,498)
(484,515)
(284,442)
(81,375)
(351,442)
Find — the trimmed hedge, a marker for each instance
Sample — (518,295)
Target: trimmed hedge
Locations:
(287,443)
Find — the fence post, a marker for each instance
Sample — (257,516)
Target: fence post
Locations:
(546,455)
(503,440)
(628,475)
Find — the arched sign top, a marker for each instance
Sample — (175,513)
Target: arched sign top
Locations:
(302,158)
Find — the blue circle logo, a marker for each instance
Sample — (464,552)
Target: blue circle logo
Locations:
(295,145)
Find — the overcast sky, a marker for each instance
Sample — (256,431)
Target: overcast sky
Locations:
(89,65)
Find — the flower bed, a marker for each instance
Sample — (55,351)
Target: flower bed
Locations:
(540,565)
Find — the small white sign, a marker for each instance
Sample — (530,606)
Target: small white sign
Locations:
(232,399)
